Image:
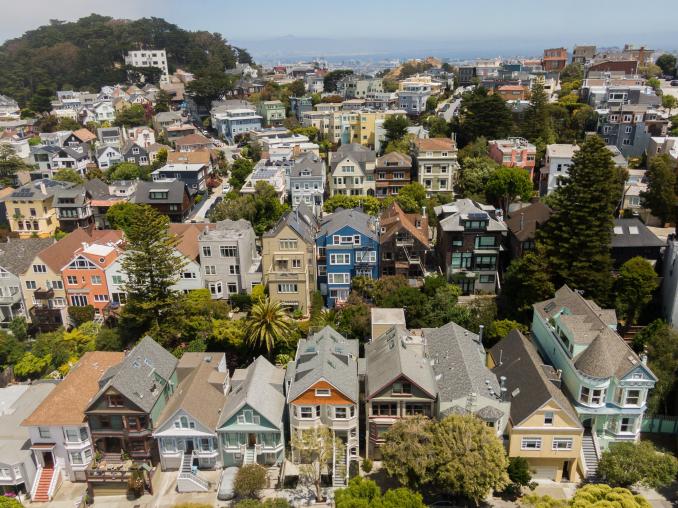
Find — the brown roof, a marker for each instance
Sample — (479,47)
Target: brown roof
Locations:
(197,157)
(509,88)
(392,219)
(66,404)
(57,255)
(523,223)
(400,158)
(84,135)
(188,243)
(435,144)
(192,139)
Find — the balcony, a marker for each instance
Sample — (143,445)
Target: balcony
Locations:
(44,294)
(404,242)
(11,299)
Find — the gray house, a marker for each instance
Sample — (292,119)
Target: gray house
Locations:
(43,156)
(132,152)
(307,182)
(229,259)
(250,427)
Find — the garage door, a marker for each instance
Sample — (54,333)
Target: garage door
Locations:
(544,473)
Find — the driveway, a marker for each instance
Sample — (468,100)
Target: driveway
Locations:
(199,213)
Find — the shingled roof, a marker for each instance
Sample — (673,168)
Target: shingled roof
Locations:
(393,219)
(524,223)
(17,255)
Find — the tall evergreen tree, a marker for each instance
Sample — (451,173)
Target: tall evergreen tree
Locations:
(576,240)
(660,196)
(526,283)
(537,124)
(151,265)
(481,114)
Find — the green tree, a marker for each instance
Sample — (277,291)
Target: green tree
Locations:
(267,326)
(365,493)
(478,148)
(667,63)
(249,480)
(108,339)
(474,175)
(19,328)
(634,287)
(333,77)
(669,102)
(297,88)
(625,464)
(660,197)
(507,184)
(262,208)
(11,349)
(127,171)
(526,282)
(519,473)
(266,503)
(576,238)
(499,329)
(130,116)
(353,320)
(401,145)
(240,170)
(369,204)
(597,495)
(314,447)
(80,315)
(31,366)
(412,197)
(437,127)
(151,266)
(10,502)
(121,215)
(163,102)
(655,84)
(481,114)
(10,165)
(69,175)
(209,85)
(395,127)
(537,124)
(572,72)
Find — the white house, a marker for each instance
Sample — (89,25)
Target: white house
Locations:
(108,156)
(142,136)
(556,166)
(104,111)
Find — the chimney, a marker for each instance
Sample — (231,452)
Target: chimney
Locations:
(43,189)
(503,395)
(643,357)
(480,333)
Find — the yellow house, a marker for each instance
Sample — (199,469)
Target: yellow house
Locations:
(288,259)
(543,426)
(356,126)
(30,210)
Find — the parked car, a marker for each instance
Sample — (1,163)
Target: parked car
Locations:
(226,481)
(674,82)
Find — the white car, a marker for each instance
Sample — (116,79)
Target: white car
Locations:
(226,481)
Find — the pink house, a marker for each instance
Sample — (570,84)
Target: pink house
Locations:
(514,152)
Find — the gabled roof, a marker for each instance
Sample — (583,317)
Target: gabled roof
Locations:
(58,254)
(192,139)
(260,386)
(356,152)
(142,375)
(39,189)
(352,217)
(402,160)
(302,221)
(16,256)
(201,157)
(454,213)
(66,404)
(458,360)
(393,219)
(107,148)
(629,233)
(200,394)
(189,233)
(308,162)
(84,135)
(326,355)
(394,355)
(435,144)
(176,191)
(528,387)
(523,223)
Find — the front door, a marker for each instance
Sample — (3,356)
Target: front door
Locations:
(566,471)
(252,439)
(189,446)
(48,460)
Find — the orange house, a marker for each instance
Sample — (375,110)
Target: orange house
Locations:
(513,92)
(84,276)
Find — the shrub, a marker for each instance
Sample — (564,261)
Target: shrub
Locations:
(250,479)
(367,465)
(81,315)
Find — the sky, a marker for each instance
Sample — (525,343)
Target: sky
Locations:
(487,27)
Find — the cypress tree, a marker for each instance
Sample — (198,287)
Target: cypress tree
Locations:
(576,240)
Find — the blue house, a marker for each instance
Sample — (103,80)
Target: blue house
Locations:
(348,246)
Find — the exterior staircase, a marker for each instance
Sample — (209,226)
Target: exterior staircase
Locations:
(250,456)
(187,480)
(42,493)
(339,466)
(591,457)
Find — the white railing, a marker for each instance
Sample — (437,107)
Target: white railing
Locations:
(54,482)
(582,461)
(38,474)
(596,445)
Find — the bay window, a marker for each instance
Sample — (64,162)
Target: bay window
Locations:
(592,396)
(530,443)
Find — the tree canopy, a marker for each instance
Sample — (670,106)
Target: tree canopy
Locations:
(482,114)
(661,194)
(626,464)
(365,493)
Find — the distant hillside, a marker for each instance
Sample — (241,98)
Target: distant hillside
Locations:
(88,53)
(412,67)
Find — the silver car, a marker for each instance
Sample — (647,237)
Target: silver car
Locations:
(226,481)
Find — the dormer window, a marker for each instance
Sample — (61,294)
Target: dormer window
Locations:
(115,401)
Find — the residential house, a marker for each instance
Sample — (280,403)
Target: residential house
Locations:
(143,136)
(228,257)
(165,119)
(30,208)
(606,380)
(169,197)
(130,399)
(131,152)
(352,171)
(231,122)
(18,143)
(60,438)
(272,112)
(465,384)
(15,258)
(403,242)
(669,283)
(543,426)
(582,55)
(412,97)
(42,156)
(435,162)
(393,172)
(192,142)
(383,319)
(523,225)
(356,87)
(194,176)
(469,236)
(663,145)
(75,158)
(148,58)
(251,428)
(185,430)
(513,92)
(514,153)
(108,156)
(299,106)
(347,245)
(202,157)
(557,163)
(275,176)
(399,383)
(110,136)
(288,259)
(19,474)
(84,276)
(9,108)
(630,127)
(636,184)
(307,182)
(554,59)
(106,195)
(631,238)
(101,112)
(73,207)
(323,389)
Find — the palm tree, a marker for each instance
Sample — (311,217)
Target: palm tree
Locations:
(267,325)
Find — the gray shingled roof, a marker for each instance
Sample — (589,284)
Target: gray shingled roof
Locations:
(308,162)
(523,223)
(629,233)
(77,193)
(136,376)
(459,363)
(33,189)
(325,355)
(260,386)
(176,190)
(390,356)
(301,220)
(358,153)
(457,210)
(527,386)
(360,221)
(17,255)
(227,230)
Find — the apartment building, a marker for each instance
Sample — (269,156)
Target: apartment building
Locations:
(403,242)
(272,113)
(557,163)
(73,208)
(352,171)
(554,59)
(514,153)
(288,259)
(30,208)
(307,182)
(356,87)
(232,122)
(435,162)
(630,127)
(229,260)
(148,58)
(392,172)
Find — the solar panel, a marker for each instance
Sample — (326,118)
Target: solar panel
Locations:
(633,230)
(478,216)
(618,230)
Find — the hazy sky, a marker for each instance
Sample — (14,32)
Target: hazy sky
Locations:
(486,24)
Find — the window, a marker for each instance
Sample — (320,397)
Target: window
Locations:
(322,392)
(306,413)
(287,288)
(296,263)
(79,300)
(44,433)
(216,288)
(626,425)
(632,398)
(88,455)
(169,445)
(73,435)
(548,418)
(39,268)
(72,280)
(228,251)
(115,401)
(402,388)
(232,288)
(210,270)
(530,443)
(562,443)
(591,396)
(288,244)
(340,259)
(369,256)
(96,280)
(207,251)
(188,275)
(76,458)
(339,278)
(485,241)
(486,279)
(30,284)
(100,298)
(385,409)
(340,413)
(117,280)
(57,284)
(234,269)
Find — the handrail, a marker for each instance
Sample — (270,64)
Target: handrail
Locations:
(596,445)
(582,461)
(53,482)
(34,488)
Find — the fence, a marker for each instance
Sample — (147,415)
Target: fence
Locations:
(660,424)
